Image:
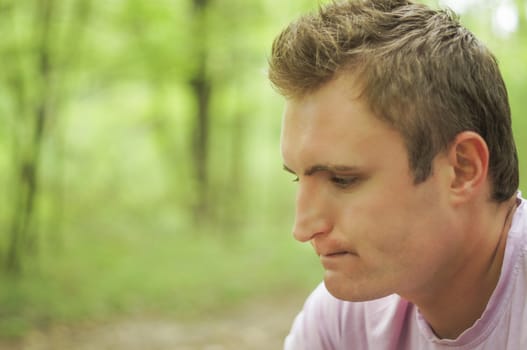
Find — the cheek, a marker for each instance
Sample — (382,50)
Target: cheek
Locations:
(374,227)
(385,227)
(392,215)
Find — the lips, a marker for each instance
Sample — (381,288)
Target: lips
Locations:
(337,260)
(332,251)
(335,253)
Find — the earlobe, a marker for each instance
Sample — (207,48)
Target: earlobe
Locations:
(469,157)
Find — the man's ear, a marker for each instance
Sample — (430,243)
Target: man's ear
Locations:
(468,155)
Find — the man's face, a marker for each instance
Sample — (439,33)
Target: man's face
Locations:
(376,232)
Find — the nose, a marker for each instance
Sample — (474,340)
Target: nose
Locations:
(311,217)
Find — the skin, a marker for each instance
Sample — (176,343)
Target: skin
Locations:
(438,244)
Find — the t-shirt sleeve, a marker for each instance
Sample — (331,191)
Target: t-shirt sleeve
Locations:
(316,327)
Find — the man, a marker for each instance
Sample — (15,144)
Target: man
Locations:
(397,128)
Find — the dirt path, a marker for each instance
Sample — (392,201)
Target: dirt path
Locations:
(257,326)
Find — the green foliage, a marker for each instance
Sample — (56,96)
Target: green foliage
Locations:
(182,274)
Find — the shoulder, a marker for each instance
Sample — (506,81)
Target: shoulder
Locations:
(517,237)
(512,287)
(517,245)
(326,322)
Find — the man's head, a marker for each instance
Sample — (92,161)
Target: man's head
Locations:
(417,69)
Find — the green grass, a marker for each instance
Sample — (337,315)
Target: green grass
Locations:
(100,275)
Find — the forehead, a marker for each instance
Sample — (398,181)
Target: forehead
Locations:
(333,122)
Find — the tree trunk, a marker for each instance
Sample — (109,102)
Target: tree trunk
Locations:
(201,89)
(21,237)
(521,6)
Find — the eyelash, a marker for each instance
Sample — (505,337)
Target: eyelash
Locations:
(342,182)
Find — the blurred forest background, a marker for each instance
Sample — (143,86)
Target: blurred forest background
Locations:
(139,155)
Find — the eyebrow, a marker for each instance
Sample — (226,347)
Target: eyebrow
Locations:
(322,168)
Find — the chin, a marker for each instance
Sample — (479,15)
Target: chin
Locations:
(345,289)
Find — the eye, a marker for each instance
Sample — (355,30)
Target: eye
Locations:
(296,179)
(343,181)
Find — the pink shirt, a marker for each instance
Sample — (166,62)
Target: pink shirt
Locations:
(392,323)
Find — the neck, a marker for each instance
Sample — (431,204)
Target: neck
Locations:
(460,300)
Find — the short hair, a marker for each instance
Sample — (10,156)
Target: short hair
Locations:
(419,70)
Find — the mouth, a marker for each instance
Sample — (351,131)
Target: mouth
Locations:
(335,254)
(336,260)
